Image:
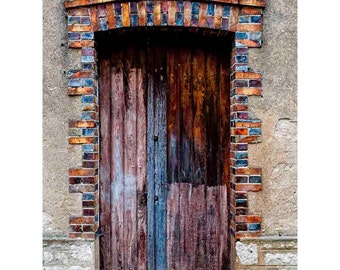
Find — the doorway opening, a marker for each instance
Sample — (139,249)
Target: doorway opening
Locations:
(164,149)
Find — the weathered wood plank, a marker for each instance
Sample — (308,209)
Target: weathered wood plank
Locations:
(141,160)
(105,163)
(160,145)
(117,143)
(130,161)
(173,129)
(150,164)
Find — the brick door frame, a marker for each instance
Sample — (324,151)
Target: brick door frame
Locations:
(242,17)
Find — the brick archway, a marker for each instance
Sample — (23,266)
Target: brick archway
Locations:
(242,17)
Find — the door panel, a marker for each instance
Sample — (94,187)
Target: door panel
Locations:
(164,154)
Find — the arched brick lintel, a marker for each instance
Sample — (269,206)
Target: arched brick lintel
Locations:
(243,17)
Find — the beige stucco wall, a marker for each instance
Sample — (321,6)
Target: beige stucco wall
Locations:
(277,154)
(277,202)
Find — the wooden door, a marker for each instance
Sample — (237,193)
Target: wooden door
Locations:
(164,154)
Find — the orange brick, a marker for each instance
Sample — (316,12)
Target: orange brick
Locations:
(255,3)
(248,171)
(233,18)
(74,235)
(81,124)
(241,131)
(249,139)
(110,17)
(87,235)
(82,172)
(249,219)
(157,13)
(78,12)
(80,140)
(249,43)
(251,11)
(77,91)
(142,13)
(239,108)
(247,124)
(126,14)
(240,235)
(245,27)
(248,187)
(247,75)
(202,17)
(77,3)
(81,220)
(248,91)
(79,28)
(94,18)
(171,13)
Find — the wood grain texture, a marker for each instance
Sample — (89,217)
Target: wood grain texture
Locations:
(165,155)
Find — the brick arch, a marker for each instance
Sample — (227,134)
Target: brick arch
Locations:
(242,17)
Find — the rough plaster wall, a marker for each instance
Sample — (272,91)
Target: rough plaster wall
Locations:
(58,109)
(277,154)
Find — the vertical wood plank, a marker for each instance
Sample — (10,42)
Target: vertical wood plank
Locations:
(117,142)
(105,162)
(160,157)
(141,161)
(150,163)
(173,136)
(130,161)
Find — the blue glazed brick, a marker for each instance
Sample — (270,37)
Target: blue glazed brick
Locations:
(240,196)
(241,83)
(118,8)
(226,11)
(134,20)
(149,19)
(73,36)
(87,115)
(149,6)
(119,22)
(88,196)
(85,20)
(242,147)
(87,35)
(211,9)
(241,163)
(88,66)
(73,82)
(179,19)
(87,99)
(241,155)
(241,179)
(242,115)
(232,92)
(88,131)
(180,6)
(164,19)
(241,35)
(241,99)
(87,51)
(241,59)
(255,179)
(88,147)
(195,8)
(255,83)
(241,202)
(87,59)
(87,82)
(103,24)
(210,22)
(133,7)
(254,131)
(256,19)
(254,227)
(96,218)
(225,23)
(241,68)
(73,20)
(243,19)
(254,35)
